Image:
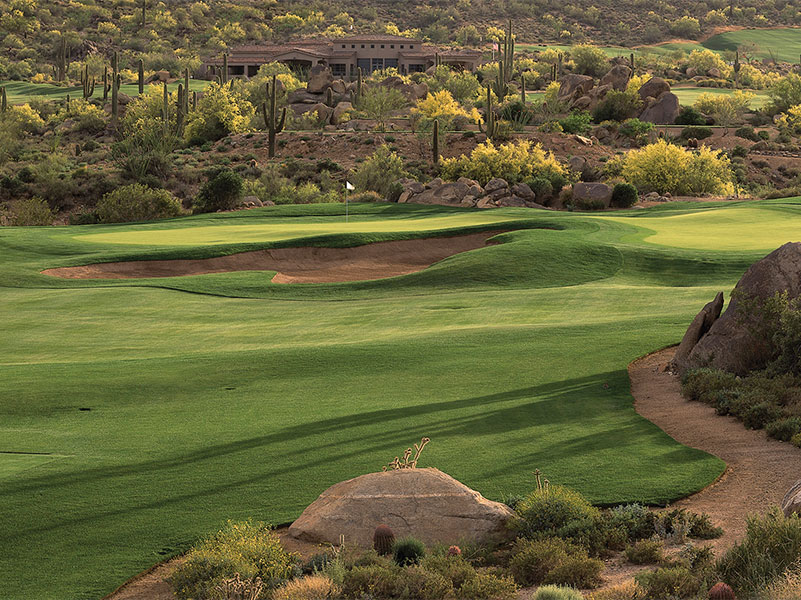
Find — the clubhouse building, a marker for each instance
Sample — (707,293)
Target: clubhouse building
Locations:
(345,55)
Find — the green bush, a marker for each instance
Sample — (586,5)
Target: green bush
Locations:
(635,519)
(549,509)
(554,592)
(576,122)
(376,581)
(543,189)
(695,131)
(379,172)
(577,570)
(772,544)
(759,415)
(747,133)
(645,552)
(618,106)
(422,584)
(784,429)
(408,551)
(137,202)
(454,568)
(589,60)
(635,129)
(247,548)
(222,191)
(689,116)
(29,212)
(702,384)
(486,586)
(624,195)
(553,560)
(669,583)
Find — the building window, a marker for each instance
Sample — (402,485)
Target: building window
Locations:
(392,45)
(362,45)
(378,63)
(354,45)
(372,45)
(382,45)
(416,68)
(343,45)
(338,70)
(401,46)
(411,46)
(390,62)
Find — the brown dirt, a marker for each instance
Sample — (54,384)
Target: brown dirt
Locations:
(298,265)
(759,469)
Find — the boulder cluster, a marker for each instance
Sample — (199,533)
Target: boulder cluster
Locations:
(331,106)
(660,105)
(468,193)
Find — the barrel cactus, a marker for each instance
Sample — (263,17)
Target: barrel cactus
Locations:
(721,591)
(383,539)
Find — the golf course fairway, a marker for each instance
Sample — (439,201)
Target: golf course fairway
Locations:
(138,415)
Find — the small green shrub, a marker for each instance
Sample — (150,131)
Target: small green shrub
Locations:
(376,581)
(365,197)
(697,132)
(454,568)
(487,586)
(542,188)
(576,122)
(636,129)
(771,545)
(617,106)
(636,519)
(408,551)
(422,584)
(555,592)
(644,552)
(137,202)
(624,195)
(747,133)
(379,171)
(221,192)
(759,415)
(549,509)
(29,212)
(532,561)
(784,429)
(577,570)
(702,384)
(689,116)
(669,583)
(796,440)
(247,548)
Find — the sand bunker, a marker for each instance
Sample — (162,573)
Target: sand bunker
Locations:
(298,265)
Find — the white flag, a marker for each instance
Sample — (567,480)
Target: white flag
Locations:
(348,186)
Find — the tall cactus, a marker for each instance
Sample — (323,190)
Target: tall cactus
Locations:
(505,64)
(62,60)
(435,142)
(105,83)
(165,106)
(180,115)
(141,76)
(631,62)
(271,122)
(490,122)
(3,100)
(225,69)
(87,84)
(359,89)
(186,91)
(737,67)
(194,101)
(144,13)
(523,97)
(115,89)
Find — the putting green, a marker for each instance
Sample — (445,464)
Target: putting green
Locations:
(247,399)
(738,227)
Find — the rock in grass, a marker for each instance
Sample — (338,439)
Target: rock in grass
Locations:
(423,503)
(791,503)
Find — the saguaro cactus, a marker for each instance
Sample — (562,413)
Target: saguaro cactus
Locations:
(490,122)
(737,67)
(141,77)
(165,105)
(435,142)
(272,123)
(186,91)
(62,60)
(180,107)
(115,88)
(523,88)
(144,13)
(105,83)
(3,100)
(87,84)
(225,69)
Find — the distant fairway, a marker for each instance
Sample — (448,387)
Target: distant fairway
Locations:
(688,95)
(783,43)
(20,92)
(137,417)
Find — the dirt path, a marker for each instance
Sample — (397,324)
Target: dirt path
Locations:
(759,469)
(298,265)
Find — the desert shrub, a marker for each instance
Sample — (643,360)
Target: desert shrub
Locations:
(514,161)
(310,587)
(549,509)
(518,114)
(629,590)
(690,116)
(576,122)
(379,101)
(137,202)
(407,551)
(555,592)
(663,167)
(375,581)
(543,189)
(786,587)
(221,192)
(442,106)
(86,117)
(487,586)
(462,85)
(700,132)
(703,60)
(589,60)
(679,524)
(247,548)
(379,171)
(784,94)
(784,429)
(553,560)
(454,568)
(636,129)
(624,195)
(635,519)
(668,583)
(725,109)
(422,584)
(29,212)
(702,384)
(365,197)
(220,112)
(644,552)
(747,133)
(617,106)
(772,544)
(759,415)
(577,570)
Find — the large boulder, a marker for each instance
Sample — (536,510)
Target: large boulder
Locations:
(792,500)
(702,323)
(424,503)
(572,87)
(732,343)
(654,87)
(301,96)
(340,110)
(663,111)
(446,193)
(617,77)
(586,193)
(319,79)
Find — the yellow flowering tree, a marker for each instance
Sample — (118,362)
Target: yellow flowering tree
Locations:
(443,107)
(220,112)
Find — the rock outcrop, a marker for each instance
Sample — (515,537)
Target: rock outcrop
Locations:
(572,87)
(791,503)
(424,503)
(468,193)
(661,106)
(617,77)
(592,194)
(732,342)
(702,323)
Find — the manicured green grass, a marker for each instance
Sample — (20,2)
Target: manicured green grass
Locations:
(20,92)
(780,43)
(688,95)
(247,399)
